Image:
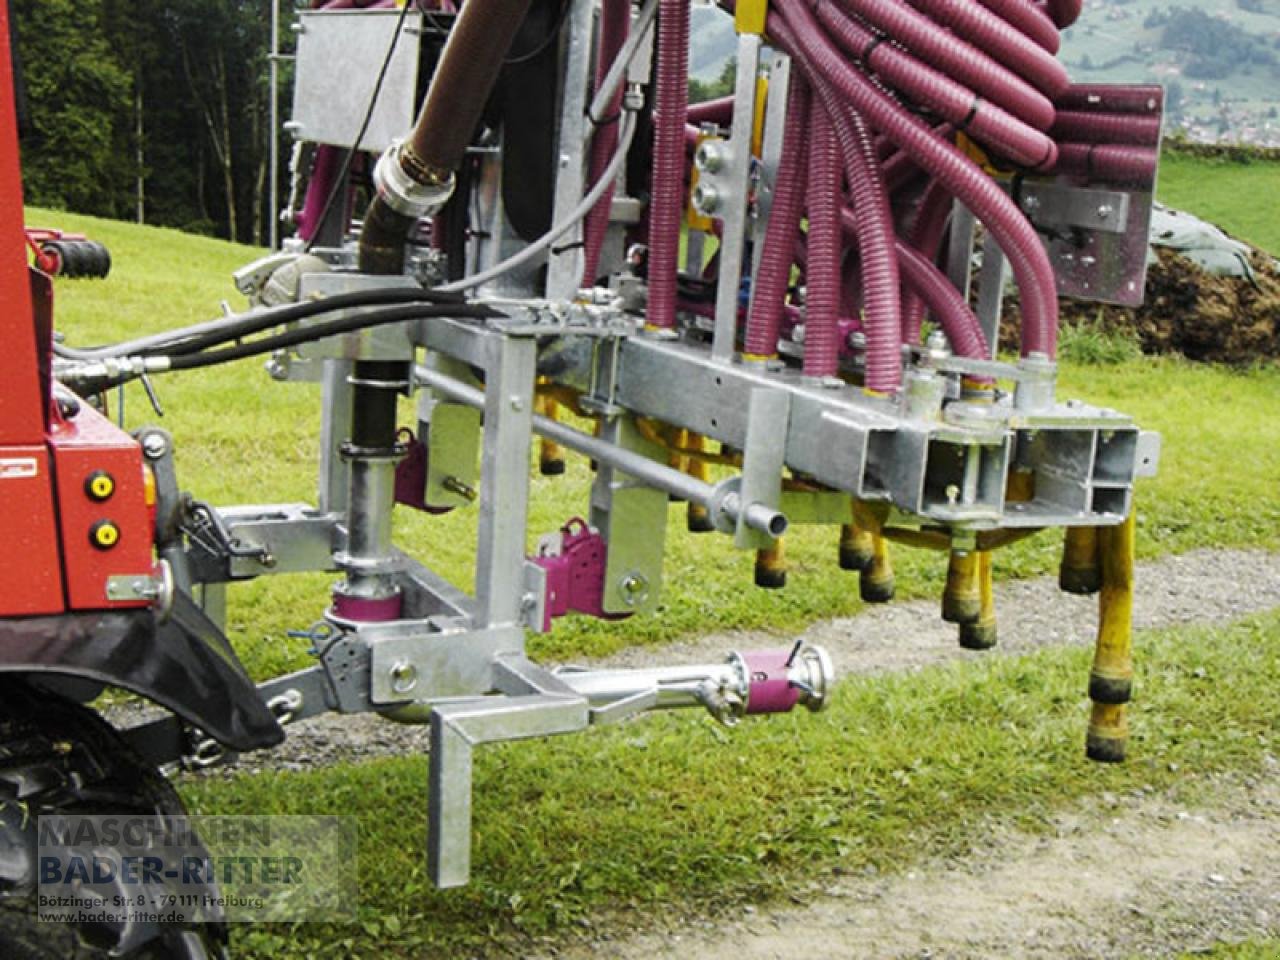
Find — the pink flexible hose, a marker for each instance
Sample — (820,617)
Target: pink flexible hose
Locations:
(822,276)
(1141,130)
(615,24)
(878,265)
(1117,163)
(795,29)
(667,191)
(1112,98)
(986,73)
(943,300)
(718,111)
(769,288)
(1004,42)
(985,120)
(1029,19)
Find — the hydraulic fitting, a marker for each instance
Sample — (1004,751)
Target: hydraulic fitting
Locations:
(417,194)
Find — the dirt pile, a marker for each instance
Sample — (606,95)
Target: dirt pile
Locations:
(1187,310)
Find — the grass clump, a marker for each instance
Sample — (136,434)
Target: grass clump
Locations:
(1091,344)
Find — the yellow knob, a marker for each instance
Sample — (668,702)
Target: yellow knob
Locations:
(100,485)
(104,534)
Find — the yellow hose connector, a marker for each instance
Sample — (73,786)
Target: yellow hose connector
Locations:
(981,634)
(875,582)
(1079,571)
(771,566)
(1111,679)
(962,598)
(550,455)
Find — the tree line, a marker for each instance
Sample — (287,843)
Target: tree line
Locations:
(149,110)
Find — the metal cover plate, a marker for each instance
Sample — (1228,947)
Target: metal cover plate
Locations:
(328,103)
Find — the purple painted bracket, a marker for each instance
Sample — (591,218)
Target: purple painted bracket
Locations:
(411,475)
(575,576)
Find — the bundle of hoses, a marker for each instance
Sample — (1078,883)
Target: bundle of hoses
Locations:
(870,167)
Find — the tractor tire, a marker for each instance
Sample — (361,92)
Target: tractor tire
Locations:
(99,259)
(73,259)
(58,757)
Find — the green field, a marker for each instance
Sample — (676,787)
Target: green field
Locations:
(670,810)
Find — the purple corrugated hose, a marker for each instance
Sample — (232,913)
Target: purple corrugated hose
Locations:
(769,287)
(795,29)
(878,265)
(667,192)
(615,24)
(985,120)
(822,278)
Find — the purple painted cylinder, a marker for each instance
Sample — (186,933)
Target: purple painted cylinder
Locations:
(367,609)
(770,689)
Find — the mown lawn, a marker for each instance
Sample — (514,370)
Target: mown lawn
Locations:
(670,810)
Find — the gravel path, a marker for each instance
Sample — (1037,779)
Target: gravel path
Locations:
(1137,876)
(1198,588)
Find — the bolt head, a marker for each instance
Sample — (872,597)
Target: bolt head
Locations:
(154,446)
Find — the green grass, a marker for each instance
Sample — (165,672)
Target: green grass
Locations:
(670,813)
(1252,950)
(1239,197)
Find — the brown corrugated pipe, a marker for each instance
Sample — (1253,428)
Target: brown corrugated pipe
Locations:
(425,161)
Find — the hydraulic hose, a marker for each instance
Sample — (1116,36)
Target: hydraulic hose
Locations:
(318,331)
(769,288)
(667,191)
(795,29)
(425,162)
(615,21)
(211,332)
(822,274)
(878,265)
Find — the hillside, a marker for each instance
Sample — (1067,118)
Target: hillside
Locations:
(1218,59)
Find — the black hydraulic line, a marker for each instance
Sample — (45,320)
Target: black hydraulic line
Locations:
(163,343)
(318,331)
(258,321)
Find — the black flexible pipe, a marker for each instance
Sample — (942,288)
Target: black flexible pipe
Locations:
(318,331)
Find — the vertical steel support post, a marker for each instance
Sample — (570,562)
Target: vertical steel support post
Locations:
(960,247)
(564,269)
(734,240)
(991,281)
(504,479)
(335,427)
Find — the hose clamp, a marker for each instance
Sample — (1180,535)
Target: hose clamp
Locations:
(403,193)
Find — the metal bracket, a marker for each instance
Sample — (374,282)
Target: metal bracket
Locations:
(540,705)
(763,457)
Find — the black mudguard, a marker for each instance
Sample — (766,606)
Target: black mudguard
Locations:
(184,664)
